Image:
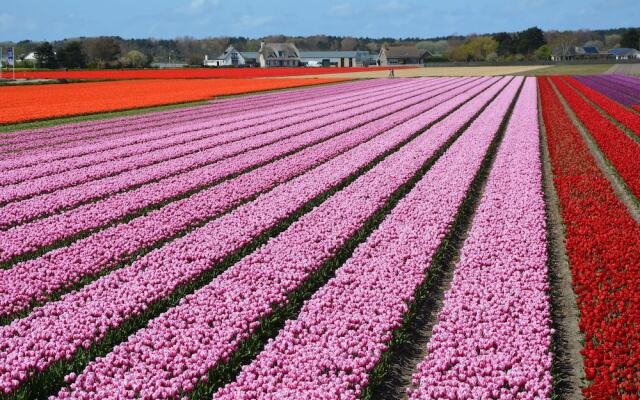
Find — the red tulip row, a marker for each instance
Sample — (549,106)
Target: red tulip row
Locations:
(603,247)
(622,114)
(621,150)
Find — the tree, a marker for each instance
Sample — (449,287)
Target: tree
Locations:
(595,43)
(195,59)
(435,47)
(478,48)
(561,43)
(612,41)
(529,40)
(543,52)
(104,50)
(507,43)
(45,56)
(136,59)
(373,47)
(631,39)
(71,55)
(348,44)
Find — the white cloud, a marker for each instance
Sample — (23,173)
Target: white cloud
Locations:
(198,4)
(391,6)
(253,21)
(341,10)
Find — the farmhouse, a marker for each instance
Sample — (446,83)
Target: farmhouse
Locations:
(399,55)
(287,55)
(278,55)
(232,58)
(623,53)
(335,58)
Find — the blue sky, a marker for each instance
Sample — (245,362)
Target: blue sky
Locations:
(50,20)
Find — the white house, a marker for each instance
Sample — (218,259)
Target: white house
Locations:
(622,53)
(335,58)
(402,55)
(211,62)
(30,57)
(278,55)
(287,55)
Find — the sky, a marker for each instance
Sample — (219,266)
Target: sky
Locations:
(52,20)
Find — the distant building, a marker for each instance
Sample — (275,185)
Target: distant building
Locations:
(278,55)
(402,55)
(211,62)
(623,53)
(232,57)
(335,58)
(578,53)
(163,65)
(30,57)
(287,55)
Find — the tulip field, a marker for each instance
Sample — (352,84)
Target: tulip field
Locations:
(295,244)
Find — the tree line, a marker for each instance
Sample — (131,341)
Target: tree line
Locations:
(116,52)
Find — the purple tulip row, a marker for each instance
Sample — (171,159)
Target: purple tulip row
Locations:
(48,203)
(194,141)
(141,135)
(208,325)
(217,108)
(34,279)
(57,330)
(31,236)
(493,335)
(609,88)
(62,137)
(630,82)
(630,88)
(342,331)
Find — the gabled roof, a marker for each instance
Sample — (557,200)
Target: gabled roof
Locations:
(405,52)
(333,54)
(623,51)
(245,54)
(280,51)
(249,54)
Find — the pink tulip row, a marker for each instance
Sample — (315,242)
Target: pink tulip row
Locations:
(342,331)
(64,138)
(493,335)
(34,207)
(216,108)
(208,325)
(142,137)
(34,279)
(198,140)
(31,236)
(57,330)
